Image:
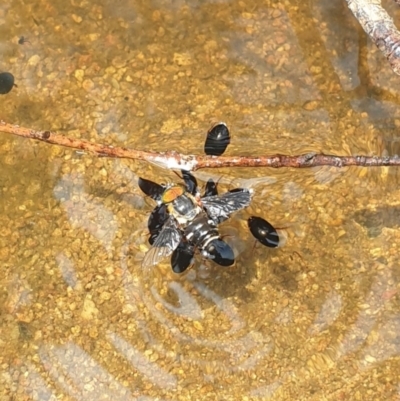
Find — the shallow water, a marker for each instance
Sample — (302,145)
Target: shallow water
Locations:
(317,319)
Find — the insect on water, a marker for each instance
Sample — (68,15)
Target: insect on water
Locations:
(184,221)
(6,82)
(218,139)
(263,231)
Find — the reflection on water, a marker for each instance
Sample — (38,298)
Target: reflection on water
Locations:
(317,318)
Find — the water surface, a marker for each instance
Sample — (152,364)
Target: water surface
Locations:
(317,319)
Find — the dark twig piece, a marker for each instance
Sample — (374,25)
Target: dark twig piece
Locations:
(174,160)
(377,23)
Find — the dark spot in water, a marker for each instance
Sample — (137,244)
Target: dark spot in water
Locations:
(6,82)
(382,260)
(23,40)
(375,220)
(24,331)
(285,277)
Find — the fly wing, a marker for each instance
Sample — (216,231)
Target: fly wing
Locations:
(166,242)
(220,207)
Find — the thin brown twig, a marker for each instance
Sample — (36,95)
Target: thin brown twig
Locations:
(174,160)
(377,23)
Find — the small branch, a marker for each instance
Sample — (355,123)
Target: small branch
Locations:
(377,23)
(174,160)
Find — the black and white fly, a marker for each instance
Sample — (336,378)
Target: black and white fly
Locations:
(184,221)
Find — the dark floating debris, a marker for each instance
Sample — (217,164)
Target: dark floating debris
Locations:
(6,82)
(218,139)
(263,231)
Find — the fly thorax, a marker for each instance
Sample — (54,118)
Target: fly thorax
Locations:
(184,208)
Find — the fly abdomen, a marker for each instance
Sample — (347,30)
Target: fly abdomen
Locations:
(203,234)
(200,231)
